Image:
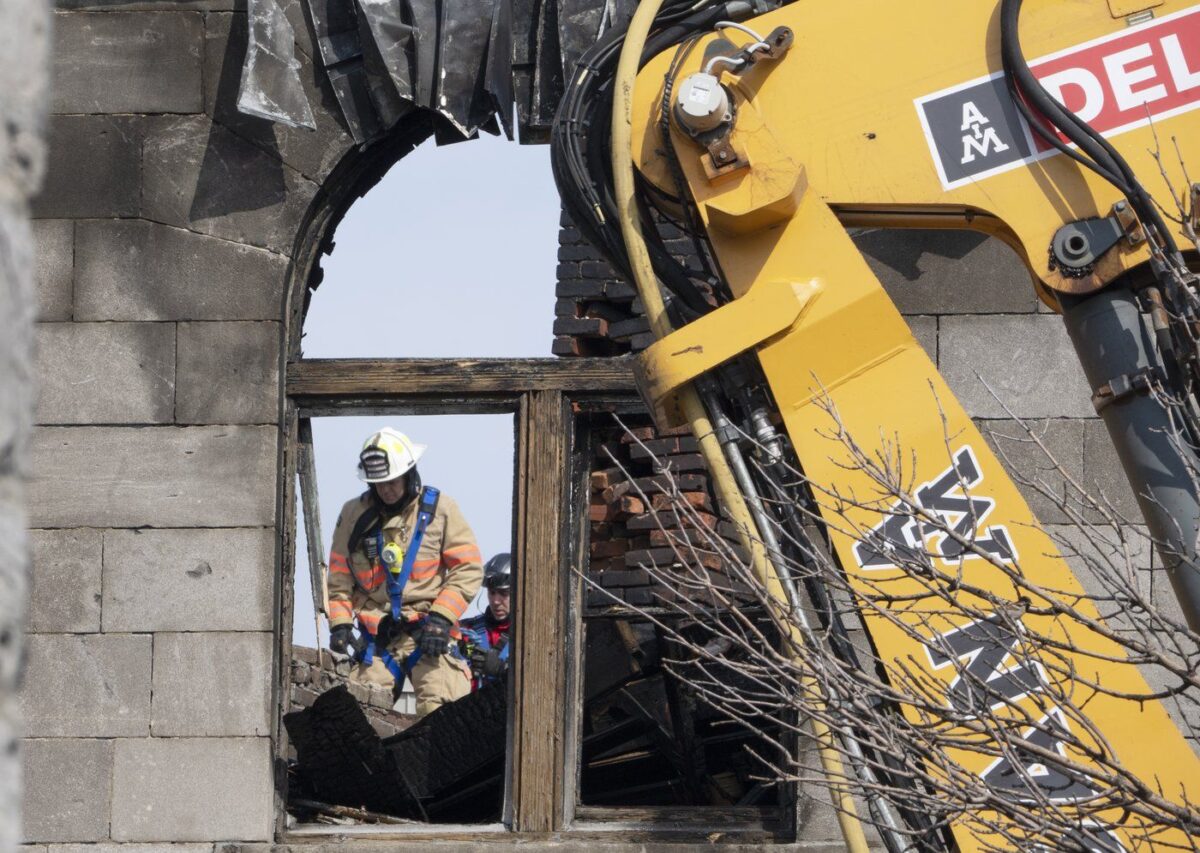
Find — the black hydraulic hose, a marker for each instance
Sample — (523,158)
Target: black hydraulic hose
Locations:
(1052,140)
(1107,161)
(581,163)
(1024,86)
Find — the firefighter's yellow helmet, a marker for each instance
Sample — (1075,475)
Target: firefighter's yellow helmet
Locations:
(386,455)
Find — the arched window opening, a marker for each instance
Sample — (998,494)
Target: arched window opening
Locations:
(436,294)
(451,255)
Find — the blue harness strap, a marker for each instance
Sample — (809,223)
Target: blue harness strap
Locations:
(415,655)
(426,508)
(368,652)
(403,669)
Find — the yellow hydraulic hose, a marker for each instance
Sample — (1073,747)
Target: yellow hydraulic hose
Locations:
(727,490)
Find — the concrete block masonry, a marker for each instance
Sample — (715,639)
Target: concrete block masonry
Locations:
(188,580)
(212,684)
(199,176)
(1028,362)
(64,594)
(106,373)
(948,272)
(228,373)
(107,182)
(110,847)
(1105,479)
(925,330)
(154,476)
(54,267)
(87,685)
(135,270)
(127,62)
(1024,460)
(225,793)
(68,781)
(117,847)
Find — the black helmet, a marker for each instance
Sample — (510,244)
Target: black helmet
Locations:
(497,574)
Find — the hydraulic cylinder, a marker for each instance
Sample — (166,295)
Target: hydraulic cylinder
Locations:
(1115,351)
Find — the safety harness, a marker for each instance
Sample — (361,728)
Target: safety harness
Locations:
(397,580)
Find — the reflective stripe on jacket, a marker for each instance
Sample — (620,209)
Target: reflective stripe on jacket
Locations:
(446,575)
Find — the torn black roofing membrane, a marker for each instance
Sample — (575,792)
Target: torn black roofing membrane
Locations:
(469,61)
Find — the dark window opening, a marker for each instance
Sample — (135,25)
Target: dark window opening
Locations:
(647,737)
(563,414)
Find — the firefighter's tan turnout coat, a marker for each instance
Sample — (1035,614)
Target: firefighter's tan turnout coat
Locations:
(446,575)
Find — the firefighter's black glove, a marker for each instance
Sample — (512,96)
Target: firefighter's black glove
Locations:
(490,664)
(343,641)
(385,632)
(435,636)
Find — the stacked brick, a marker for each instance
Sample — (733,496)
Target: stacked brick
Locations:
(312,675)
(596,312)
(599,314)
(640,476)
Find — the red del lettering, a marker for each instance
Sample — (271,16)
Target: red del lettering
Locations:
(1123,81)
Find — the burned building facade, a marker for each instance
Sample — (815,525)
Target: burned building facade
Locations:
(177,241)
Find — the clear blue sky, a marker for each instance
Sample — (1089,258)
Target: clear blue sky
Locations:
(452,254)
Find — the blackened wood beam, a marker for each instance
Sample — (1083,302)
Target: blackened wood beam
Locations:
(320,383)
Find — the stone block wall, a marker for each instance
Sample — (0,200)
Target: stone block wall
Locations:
(164,236)
(312,674)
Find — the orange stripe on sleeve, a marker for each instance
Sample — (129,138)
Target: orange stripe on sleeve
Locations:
(372,581)
(340,610)
(338,564)
(452,601)
(461,554)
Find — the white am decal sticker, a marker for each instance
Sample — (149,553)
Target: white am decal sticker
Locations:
(1115,83)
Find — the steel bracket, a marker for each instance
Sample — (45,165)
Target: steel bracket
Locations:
(670,363)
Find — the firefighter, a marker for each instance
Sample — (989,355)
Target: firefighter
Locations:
(405,564)
(487,638)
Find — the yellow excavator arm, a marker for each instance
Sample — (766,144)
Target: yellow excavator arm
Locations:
(821,116)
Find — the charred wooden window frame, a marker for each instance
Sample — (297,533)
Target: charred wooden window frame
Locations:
(740,824)
(543,395)
(553,402)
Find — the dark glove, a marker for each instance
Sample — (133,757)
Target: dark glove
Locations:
(343,641)
(385,632)
(493,666)
(435,636)
(488,663)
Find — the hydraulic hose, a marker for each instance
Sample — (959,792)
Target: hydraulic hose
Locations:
(723,478)
(1104,159)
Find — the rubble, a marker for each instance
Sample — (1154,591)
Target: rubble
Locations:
(314,674)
